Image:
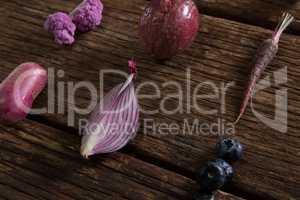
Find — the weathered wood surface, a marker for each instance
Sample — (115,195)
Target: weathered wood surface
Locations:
(221,53)
(258,12)
(40,162)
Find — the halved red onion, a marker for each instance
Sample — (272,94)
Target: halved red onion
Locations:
(114,122)
(19,89)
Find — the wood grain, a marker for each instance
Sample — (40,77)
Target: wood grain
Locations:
(40,162)
(221,54)
(258,12)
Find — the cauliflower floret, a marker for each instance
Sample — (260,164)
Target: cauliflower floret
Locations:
(87,15)
(61,26)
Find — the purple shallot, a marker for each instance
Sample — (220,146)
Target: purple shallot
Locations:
(19,90)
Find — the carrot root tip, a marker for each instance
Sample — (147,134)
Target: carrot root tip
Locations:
(285,21)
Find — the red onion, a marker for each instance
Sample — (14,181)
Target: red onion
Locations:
(19,89)
(168,26)
(114,122)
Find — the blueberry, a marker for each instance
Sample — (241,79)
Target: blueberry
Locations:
(204,196)
(229,149)
(214,174)
(211,177)
(228,170)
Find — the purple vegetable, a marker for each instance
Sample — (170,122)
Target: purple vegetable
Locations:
(168,26)
(61,26)
(87,15)
(263,58)
(114,122)
(19,89)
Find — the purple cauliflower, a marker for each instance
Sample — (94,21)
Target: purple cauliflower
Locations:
(61,26)
(87,15)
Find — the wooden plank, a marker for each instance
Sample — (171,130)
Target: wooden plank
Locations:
(40,162)
(220,54)
(257,12)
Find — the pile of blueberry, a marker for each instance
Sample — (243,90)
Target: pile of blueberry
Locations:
(216,173)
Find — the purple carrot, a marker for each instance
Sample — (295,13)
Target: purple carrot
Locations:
(263,58)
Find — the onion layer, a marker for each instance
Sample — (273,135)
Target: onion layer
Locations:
(19,89)
(114,122)
(168,26)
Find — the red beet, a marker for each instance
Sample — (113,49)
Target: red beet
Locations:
(168,26)
(19,89)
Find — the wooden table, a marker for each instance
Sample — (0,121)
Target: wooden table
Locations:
(39,157)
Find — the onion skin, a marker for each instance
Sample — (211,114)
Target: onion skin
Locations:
(114,121)
(169,26)
(117,128)
(19,89)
